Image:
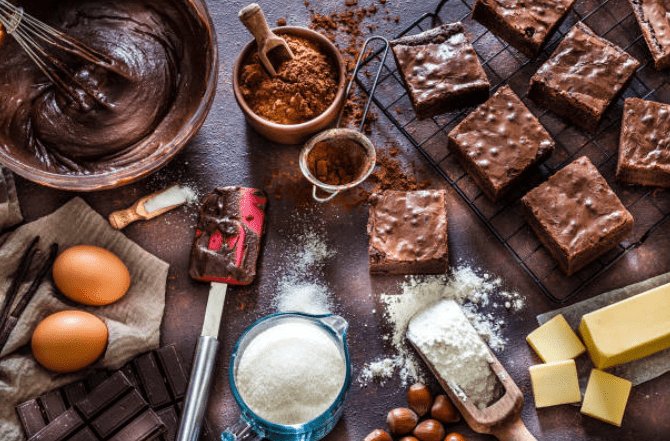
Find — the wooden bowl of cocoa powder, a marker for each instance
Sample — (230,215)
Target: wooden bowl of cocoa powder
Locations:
(305,97)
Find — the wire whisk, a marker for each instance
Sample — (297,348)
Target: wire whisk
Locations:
(39,40)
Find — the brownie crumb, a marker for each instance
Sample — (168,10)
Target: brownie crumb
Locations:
(281,22)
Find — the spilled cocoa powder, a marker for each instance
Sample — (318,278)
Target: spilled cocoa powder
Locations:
(389,173)
(348,29)
(339,161)
(303,88)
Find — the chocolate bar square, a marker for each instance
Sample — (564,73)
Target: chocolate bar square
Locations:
(440,70)
(584,75)
(576,215)
(524,25)
(499,141)
(408,232)
(644,147)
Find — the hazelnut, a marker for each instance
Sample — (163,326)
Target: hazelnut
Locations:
(444,411)
(408,438)
(419,398)
(455,437)
(401,420)
(378,435)
(429,430)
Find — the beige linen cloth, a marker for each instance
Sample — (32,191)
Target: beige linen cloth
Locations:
(133,321)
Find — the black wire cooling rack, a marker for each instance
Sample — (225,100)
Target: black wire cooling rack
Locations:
(612,19)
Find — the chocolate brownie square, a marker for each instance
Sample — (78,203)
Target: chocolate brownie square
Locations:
(440,70)
(498,141)
(408,232)
(524,25)
(644,147)
(652,16)
(582,77)
(576,215)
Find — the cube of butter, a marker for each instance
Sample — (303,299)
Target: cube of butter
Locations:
(555,383)
(627,330)
(606,397)
(555,340)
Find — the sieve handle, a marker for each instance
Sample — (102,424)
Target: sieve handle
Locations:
(326,199)
(359,63)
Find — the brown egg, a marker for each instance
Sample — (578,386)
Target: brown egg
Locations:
(91,275)
(69,340)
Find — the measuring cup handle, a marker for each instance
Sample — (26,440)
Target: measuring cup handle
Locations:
(240,431)
(320,199)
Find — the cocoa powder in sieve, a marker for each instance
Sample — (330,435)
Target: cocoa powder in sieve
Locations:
(337,161)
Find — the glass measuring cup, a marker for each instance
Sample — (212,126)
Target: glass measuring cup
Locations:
(343,134)
(252,427)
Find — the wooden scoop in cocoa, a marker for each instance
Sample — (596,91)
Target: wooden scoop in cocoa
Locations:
(272,49)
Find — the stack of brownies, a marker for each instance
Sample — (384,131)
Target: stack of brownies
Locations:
(575,213)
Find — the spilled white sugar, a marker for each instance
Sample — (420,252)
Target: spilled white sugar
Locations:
(467,288)
(299,289)
(170,197)
(448,341)
(290,373)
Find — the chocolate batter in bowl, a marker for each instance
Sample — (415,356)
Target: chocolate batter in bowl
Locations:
(167,52)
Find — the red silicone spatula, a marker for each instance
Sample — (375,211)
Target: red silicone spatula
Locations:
(225,250)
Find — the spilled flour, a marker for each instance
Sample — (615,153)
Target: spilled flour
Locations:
(469,288)
(300,288)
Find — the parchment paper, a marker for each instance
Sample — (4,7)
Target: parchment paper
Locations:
(636,372)
(133,321)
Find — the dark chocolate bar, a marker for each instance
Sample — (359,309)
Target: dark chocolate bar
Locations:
(228,236)
(140,401)
(107,411)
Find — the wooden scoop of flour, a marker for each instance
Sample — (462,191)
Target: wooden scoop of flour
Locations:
(501,419)
(272,49)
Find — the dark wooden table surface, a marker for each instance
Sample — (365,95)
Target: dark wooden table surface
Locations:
(227,152)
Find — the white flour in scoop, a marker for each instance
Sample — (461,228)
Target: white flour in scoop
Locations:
(451,345)
(290,373)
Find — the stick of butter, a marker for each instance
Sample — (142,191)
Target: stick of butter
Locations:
(630,329)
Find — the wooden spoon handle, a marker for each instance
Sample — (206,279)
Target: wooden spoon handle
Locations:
(122,218)
(253,18)
(514,431)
